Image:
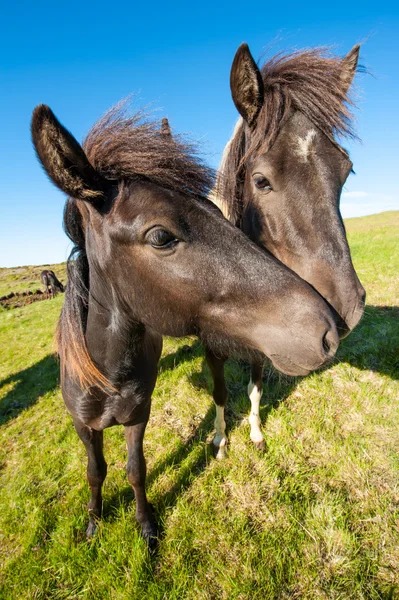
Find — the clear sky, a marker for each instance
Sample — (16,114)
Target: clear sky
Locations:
(82,57)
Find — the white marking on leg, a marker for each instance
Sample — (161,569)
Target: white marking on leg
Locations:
(255,394)
(220,440)
(304,144)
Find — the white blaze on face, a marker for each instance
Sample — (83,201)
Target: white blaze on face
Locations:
(304,144)
(255,394)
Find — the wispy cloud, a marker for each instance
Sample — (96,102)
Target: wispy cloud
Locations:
(358,204)
(355,194)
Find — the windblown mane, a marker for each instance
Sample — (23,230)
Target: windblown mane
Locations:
(70,335)
(121,147)
(308,81)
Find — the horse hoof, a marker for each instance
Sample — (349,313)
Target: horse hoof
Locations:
(220,452)
(91,530)
(151,536)
(152,543)
(261,446)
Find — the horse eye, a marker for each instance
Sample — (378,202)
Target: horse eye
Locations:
(159,238)
(262,183)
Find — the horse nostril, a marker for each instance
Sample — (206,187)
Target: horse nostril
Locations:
(329,342)
(326,343)
(363,297)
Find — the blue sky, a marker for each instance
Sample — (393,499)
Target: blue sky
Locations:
(82,57)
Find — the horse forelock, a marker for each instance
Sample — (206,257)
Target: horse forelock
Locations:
(124,146)
(309,81)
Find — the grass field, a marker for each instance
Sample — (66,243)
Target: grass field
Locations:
(23,279)
(315,517)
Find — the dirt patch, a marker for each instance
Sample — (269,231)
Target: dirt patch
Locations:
(18,299)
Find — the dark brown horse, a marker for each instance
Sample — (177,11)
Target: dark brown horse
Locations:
(280,182)
(154,257)
(51,283)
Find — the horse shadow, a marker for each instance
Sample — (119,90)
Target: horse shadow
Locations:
(28,385)
(374,343)
(191,458)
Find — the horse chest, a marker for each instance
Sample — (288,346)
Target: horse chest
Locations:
(100,411)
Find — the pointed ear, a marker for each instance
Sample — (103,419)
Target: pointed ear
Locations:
(165,128)
(349,66)
(63,158)
(246,85)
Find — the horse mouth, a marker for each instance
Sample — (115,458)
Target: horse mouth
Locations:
(343,328)
(346,325)
(286,366)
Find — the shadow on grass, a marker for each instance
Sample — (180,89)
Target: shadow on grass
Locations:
(190,458)
(29,385)
(374,344)
(184,354)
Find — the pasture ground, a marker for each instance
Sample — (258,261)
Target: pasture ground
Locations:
(315,517)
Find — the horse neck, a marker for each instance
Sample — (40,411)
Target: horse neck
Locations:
(113,341)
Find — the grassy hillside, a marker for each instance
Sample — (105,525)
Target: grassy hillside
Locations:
(22,279)
(315,517)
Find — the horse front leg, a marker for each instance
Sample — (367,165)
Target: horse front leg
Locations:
(136,473)
(255,395)
(216,365)
(96,471)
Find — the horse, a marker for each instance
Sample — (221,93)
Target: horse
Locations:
(153,256)
(51,284)
(280,182)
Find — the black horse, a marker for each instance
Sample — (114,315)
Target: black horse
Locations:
(280,182)
(154,257)
(51,284)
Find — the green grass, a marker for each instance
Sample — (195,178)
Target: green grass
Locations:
(315,517)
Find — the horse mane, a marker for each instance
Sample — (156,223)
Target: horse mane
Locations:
(308,81)
(125,147)
(71,329)
(121,147)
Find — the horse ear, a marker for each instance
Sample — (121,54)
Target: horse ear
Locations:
(349,66)
(63,158)
(246,85)
(165,128)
